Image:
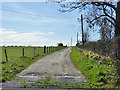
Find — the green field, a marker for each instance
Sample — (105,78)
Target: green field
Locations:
(15,53)
(17,62)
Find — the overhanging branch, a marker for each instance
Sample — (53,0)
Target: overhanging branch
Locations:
(73,6)
(104,3)
(97,18)
(110,21)
(113,23)
(104,10)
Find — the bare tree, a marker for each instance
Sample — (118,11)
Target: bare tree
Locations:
(86,35)
(102,9)
(105,29)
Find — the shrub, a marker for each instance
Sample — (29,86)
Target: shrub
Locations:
(60,44)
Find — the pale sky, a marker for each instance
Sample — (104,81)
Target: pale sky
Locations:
(39,23)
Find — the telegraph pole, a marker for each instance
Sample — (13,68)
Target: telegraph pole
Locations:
(82,29)
(77,37)
(71,41)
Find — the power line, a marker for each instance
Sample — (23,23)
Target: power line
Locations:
(13,11)
(21,12)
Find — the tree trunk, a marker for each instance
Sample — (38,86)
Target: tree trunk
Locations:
(117,23)
(117,34)
(117,28)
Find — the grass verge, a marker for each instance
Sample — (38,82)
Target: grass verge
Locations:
(98,75)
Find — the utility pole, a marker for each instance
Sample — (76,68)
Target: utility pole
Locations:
(77,38)
(82,29)
(71,41)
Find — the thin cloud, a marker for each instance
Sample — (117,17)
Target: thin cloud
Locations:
(50,33)
(40,19)
(3,29)
(20,8)
(16,38)
(36,20)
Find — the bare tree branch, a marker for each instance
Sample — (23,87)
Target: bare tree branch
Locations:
(110,21)
(97,18)
(74,5)
(108,4)
(104,10)
(104,3)
(113,23)
(102,6)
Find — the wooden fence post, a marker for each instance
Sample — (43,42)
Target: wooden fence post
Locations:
(6,55)
(44,49)
(47,49)
(23,52)
(34,50)
(51,48)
